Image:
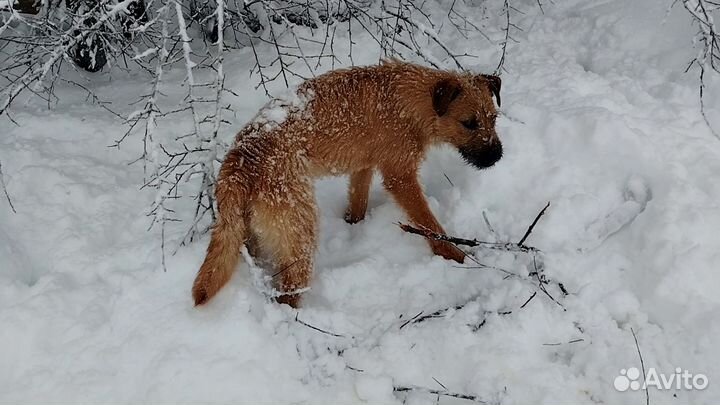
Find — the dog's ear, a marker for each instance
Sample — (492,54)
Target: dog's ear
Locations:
(493,83)
(443,93)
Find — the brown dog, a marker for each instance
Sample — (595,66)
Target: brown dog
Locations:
(353,121)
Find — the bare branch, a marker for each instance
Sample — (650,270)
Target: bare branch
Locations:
(532,226)
(642,366)
(506,246)
(708,37)
(444,393)
(7,196)
(297,314)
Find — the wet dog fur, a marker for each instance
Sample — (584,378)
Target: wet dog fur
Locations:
(355,121)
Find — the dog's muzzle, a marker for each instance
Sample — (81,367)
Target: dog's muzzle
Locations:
(482,156)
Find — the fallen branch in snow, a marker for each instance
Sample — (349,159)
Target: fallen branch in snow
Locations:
(528,300)
(506,246)
(297,314)
(2,183)
(532,226)
(642,366)
(537,273)
(444,393)
(542,281)
(441,313)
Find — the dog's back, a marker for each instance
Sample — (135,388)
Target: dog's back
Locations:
(344,121)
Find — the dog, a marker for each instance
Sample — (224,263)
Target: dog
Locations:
(352,121)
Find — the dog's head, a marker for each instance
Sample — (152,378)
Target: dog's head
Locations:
(466,116)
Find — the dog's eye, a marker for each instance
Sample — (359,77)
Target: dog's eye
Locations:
(470,124)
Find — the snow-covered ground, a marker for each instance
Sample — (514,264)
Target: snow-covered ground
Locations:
(599,120)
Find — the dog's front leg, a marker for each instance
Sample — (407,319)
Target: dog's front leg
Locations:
(406,190)
(358,195)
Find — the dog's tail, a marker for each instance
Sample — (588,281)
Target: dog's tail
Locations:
(228,236)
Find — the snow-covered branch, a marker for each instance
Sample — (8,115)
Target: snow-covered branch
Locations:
(708,39)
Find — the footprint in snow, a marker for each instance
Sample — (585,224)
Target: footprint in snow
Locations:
(637,193)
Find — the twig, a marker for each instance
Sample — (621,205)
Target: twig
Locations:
(441,313)
(445,393)
(315,327)
(506,246)
(487,222)
(2,182)
(508,24)
(532,226)
(411,320)
(702,104)
(528,300)
(440,384)
(642,365)
(541,284)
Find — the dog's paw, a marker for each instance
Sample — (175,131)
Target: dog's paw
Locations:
(352,218)
(448,251)
(290,299)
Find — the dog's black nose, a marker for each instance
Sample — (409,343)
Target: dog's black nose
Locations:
(484,156)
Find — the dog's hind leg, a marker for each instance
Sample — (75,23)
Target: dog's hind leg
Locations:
(358,195)
(286,228)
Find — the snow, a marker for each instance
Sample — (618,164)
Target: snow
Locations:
(288,102)
(598,119)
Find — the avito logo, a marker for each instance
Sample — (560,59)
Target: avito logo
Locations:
(679,380)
